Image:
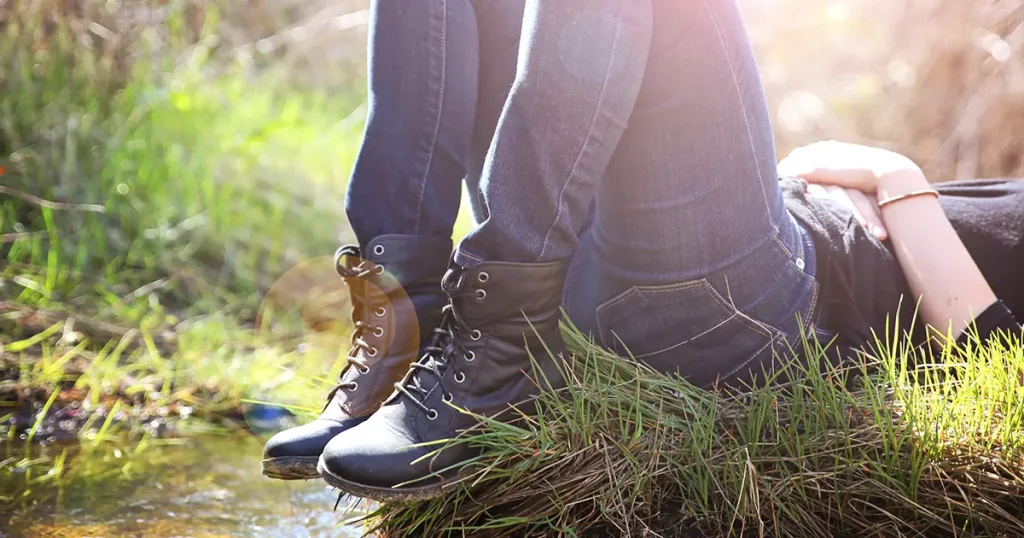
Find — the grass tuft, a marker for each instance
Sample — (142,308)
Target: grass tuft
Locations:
(906,443)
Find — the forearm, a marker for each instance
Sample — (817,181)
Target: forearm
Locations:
(937,265)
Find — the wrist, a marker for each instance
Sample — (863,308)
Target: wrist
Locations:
(898,183)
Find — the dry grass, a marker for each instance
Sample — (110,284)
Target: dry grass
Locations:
(902,445)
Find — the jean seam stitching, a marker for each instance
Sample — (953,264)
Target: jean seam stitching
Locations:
(751,323)
(586,140)
(688,340)
(636,290)
(766,327)
(785,249)
(663,288)
(604,307)
(771,340)
(805,323)
(470,255)
(743,108)
(811,310)
(790,256)
(440,114)
(757,326)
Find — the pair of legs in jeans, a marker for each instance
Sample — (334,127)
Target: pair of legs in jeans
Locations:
(630,136)
(619,160)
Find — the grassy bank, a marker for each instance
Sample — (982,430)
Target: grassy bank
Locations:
(905,444)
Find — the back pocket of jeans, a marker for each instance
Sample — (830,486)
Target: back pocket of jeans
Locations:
(688,329)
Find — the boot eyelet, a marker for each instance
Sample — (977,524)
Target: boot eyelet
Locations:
(372,352)
(378,250)
(380,312)
(459,377)
(379,270)
(378,332)
(354,387)
(448,397)
(470,356)
(475,335)
(483,277)
(481,295)
(432,414)
(363,370)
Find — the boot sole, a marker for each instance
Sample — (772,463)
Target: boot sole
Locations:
(291,468)
(385,494)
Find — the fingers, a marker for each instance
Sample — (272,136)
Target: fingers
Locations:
(835,163)
(870,213)
(852,178)
(818,191)
(864,209)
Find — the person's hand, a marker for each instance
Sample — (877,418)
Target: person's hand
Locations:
(849,174)
(864,208)
(851,166)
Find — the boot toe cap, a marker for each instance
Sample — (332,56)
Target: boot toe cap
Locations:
(307,440)
(383,458)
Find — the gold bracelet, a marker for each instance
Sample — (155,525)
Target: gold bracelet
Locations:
(914,194)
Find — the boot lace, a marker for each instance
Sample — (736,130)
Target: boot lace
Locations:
(444,346)
(355,277)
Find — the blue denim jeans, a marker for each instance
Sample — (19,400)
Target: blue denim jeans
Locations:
(630,136)
(439,72)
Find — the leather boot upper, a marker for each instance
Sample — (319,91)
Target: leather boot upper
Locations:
(394,286)
(396,302)
(499,314)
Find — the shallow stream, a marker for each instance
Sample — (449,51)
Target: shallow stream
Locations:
(205,486)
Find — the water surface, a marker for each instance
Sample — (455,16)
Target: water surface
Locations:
(203,487)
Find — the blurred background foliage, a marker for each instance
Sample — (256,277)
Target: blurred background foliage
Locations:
(217,135)
(217,150)
(939,80)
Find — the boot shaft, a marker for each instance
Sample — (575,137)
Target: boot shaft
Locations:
(502,319)
(397,298)
(502,291)
(408,274)
(514,308)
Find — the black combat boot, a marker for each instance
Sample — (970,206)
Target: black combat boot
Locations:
(498,315)
(396,304)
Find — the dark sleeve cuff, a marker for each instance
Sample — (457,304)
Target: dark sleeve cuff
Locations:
(995,320)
